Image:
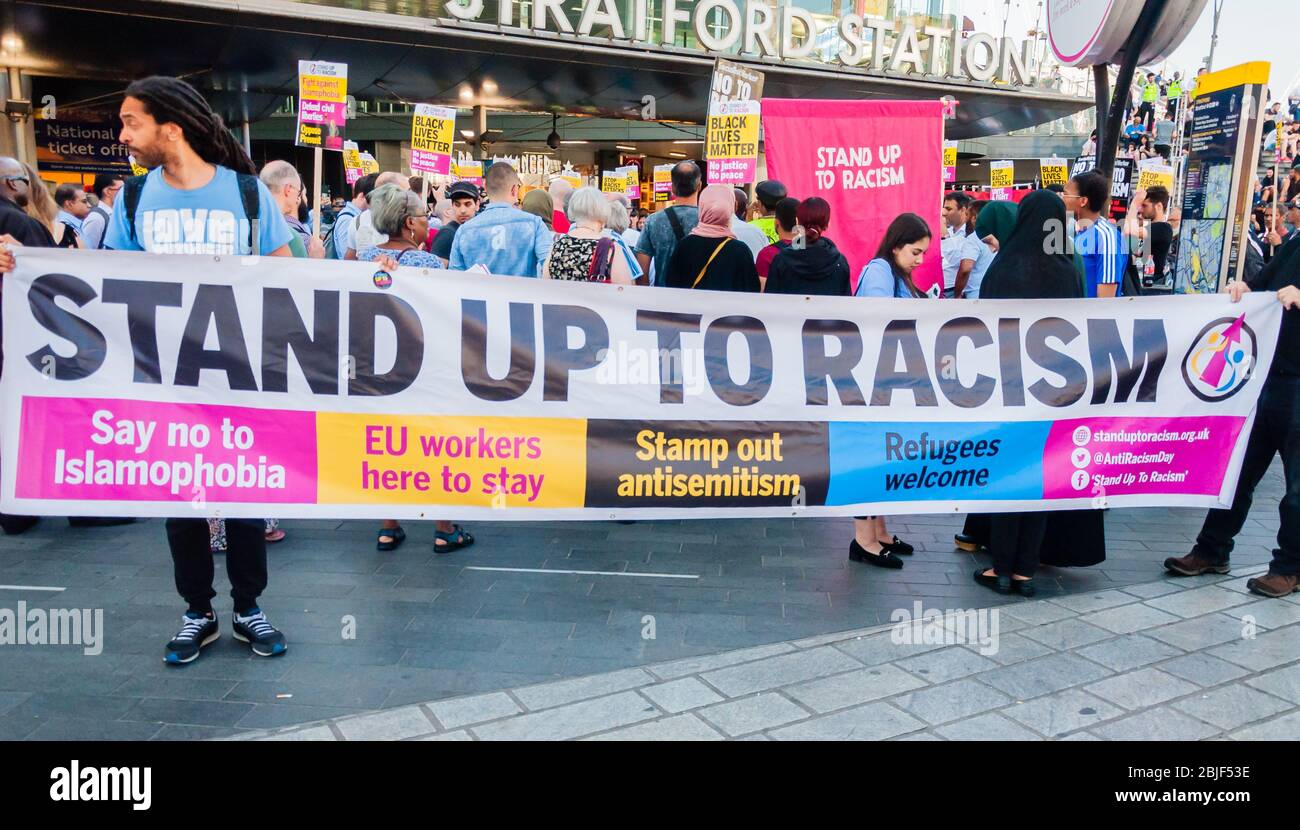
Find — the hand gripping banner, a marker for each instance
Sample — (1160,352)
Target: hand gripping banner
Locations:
(138,384)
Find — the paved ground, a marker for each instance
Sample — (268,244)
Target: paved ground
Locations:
(1176,659)
(429,628)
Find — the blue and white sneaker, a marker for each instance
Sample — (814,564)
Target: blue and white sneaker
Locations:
(196,632)
(253,629)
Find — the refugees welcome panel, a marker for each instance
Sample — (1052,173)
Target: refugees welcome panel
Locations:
(146,385)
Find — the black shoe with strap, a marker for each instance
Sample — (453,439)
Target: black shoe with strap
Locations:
(884,559)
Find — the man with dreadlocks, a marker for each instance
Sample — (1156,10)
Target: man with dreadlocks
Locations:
(201,196)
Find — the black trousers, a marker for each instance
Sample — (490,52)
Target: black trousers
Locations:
(192,560)
(1148,113)
(1015,539)
(1276,430)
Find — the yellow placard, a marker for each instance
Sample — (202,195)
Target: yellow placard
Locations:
(351,156)
(1054,171)
(613,181)
(1002,174)
(1152,176)
(320,88)
(731,142)
(368,164)
(432,134)
(950,155)
(473,461)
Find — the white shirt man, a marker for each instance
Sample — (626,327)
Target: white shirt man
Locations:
(105,188)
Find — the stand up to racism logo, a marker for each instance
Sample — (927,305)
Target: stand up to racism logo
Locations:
(1221,359)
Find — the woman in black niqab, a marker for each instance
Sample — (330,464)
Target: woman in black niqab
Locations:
(1032,265)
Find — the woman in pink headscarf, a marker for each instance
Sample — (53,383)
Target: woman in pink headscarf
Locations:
(710,257)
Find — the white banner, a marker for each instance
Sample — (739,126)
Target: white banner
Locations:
(138,384)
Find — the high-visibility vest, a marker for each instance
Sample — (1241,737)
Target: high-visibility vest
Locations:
(1150,93)
(1176,89)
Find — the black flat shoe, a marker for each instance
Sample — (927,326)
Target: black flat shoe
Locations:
(1024,587)
(1001,584)
(885,559)
(898,546)
(966,542)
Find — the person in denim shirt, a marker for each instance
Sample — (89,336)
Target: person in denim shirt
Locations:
(502,238)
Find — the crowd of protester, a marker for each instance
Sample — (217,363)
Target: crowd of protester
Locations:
(712,238)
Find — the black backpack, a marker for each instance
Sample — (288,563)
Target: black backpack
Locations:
(248,195)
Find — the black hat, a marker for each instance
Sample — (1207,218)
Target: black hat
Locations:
(459,189)
(769,193)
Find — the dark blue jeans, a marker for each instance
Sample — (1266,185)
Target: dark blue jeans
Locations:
(1277,430)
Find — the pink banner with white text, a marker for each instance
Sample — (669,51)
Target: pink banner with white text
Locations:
(872,160)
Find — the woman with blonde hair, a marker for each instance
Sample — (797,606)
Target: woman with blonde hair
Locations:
(42,208)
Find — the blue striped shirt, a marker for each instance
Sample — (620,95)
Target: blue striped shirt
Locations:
(1103,252)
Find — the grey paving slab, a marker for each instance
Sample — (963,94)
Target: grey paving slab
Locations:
(1264,651)
(1203,669)
(388,725)
(1062,712)
(466,711)
(952,701)
(574,720)
(946,664)
(1064,635)
(752,714)
(1198,602)
(1232,706)
(986,727)
(1199,633)
(1129,652)
(1014,648)
(679,728)
(567,691)
(872,722)
(694,665)
(1286,728)
(1127,619)
(781,670)
(680,695)
(1140,689)
(853,688)
(1157,724)
(1283,683)
(1045,675)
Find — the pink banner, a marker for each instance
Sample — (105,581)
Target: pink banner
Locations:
(872,160)
(93,449)
(1127,456)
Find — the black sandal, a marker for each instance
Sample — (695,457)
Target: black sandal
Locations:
(396,536)
(898,546)
(885,559)
(455,540)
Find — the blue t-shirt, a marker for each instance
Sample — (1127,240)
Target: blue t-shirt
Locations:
(413,258)
(981,255)
(878,280)
(206,220)
(1103,256)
